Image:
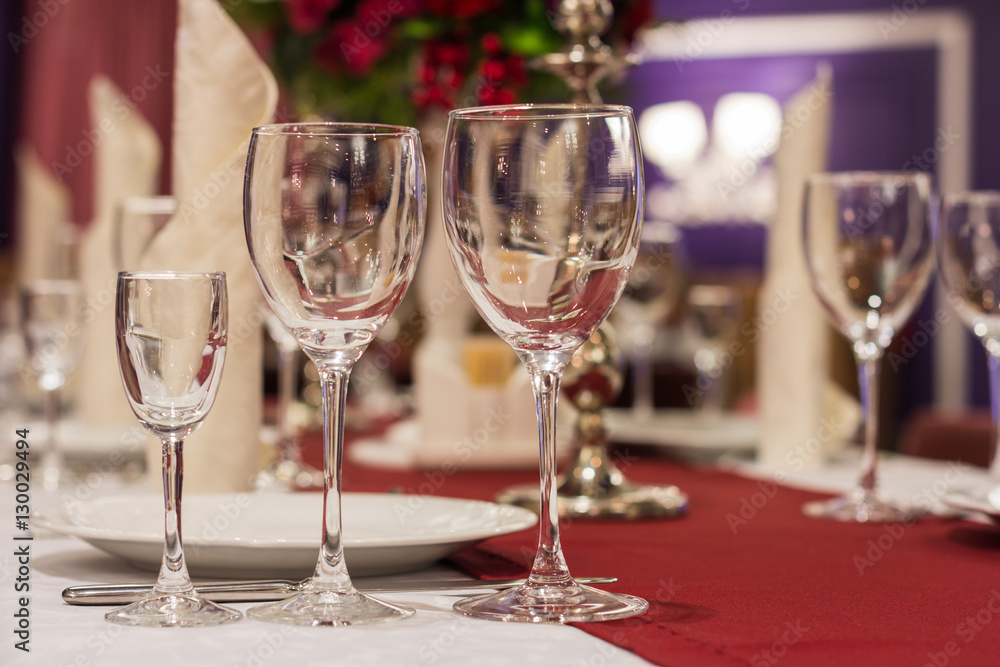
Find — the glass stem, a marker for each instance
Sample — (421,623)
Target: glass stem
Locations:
(173,578)
(331,571)
(993,358)
(642,352)
(549,567)
(52,463)
(868,374)
(287,441)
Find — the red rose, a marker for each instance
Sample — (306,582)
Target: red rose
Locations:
(349,46)
(307,15)
(460,9)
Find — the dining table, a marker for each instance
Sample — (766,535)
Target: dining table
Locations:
(743,578)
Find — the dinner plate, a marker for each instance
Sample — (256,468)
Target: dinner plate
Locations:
(278,535)
(983,502)
(685,429)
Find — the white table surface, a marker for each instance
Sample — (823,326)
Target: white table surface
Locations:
(78,636)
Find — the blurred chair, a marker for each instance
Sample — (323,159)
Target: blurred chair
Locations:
(952,436)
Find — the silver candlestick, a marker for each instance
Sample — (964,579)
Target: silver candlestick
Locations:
(594,486)
(586,59)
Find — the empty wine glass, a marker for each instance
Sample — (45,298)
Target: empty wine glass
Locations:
(287,470)
(712,322)
(171,335)
(969,255)
(543,217)
(334,217)
(869,254)
(653,291)
(52,328)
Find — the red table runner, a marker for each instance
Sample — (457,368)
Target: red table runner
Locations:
(745,579)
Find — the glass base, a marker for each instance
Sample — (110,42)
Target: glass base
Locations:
(329,608)
(860,507)
(570,603)
(173,610)
(625,501)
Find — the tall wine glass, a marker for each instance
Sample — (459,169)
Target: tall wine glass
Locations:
(543,217)
(171,334)
(869,254)
(52,328)
(334,217)
(652,294)
(969,256)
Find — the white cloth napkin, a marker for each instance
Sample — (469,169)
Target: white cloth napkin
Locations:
(797,401)
(222,90)
(43,214)
(127,164)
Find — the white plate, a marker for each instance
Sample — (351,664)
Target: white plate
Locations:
(686,429)
(278,535)
(984,502)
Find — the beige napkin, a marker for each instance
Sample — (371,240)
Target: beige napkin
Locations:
(796,398)
(221,91)
(127,164)
(43,216)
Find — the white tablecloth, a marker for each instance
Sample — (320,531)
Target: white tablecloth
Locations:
(78,636)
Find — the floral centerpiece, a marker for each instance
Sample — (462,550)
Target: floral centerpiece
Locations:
(393,60)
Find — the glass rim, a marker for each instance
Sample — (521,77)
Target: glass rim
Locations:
(526,112)
(335,129)
(170,275)
(866,177)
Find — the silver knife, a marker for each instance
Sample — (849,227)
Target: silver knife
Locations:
(279,589)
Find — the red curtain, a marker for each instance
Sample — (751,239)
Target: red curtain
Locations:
(65,44)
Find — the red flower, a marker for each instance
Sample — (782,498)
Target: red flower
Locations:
(349,46)
(307,15)
(460,9)
(382,12)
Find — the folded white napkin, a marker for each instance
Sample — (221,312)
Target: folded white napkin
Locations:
(43,216)
(222,90)
(127,164)
(793,354)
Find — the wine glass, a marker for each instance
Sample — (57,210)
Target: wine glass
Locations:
(171,335)
(52,329)
(869,254)
(137,222)
(651,295)
(968,241)
(542,212)
(334,218)
(712,322)
(287,470)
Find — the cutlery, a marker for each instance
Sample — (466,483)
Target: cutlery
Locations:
(279,589)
